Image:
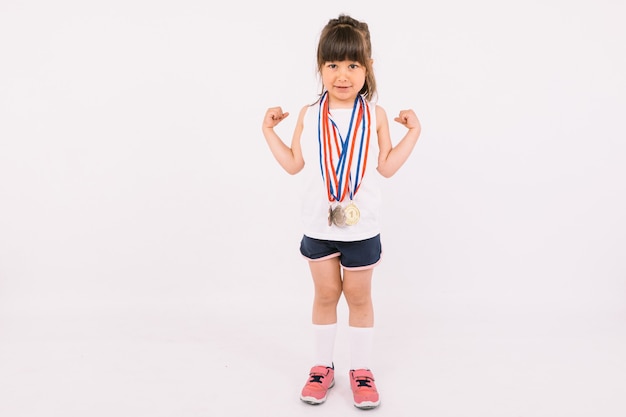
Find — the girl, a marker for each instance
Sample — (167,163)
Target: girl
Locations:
(344,140)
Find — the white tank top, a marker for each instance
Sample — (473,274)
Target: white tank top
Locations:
(314,195)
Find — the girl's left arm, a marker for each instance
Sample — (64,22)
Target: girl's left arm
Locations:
(391,158)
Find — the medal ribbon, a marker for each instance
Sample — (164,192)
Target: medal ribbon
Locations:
(337,154)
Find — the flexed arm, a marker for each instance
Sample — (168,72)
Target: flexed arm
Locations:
(290,158)
(392,158)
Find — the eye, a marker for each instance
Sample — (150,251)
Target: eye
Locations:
(331,66)
(354,66)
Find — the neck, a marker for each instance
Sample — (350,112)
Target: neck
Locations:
(335,103)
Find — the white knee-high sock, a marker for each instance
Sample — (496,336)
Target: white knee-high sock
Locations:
(361,343)
(324,343)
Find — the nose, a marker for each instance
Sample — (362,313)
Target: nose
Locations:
(343,73)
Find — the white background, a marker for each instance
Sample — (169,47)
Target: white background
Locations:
(149,260)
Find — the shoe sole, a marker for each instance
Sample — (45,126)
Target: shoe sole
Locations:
(367,405)
(317,401)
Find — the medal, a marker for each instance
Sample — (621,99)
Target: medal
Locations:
(352,214)
(343,160)
(339,216)
(330,215)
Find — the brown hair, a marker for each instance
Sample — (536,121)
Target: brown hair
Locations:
(346,38)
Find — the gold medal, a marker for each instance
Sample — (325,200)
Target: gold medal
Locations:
(352,214)
(339,217)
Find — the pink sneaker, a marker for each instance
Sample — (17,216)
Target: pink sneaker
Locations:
(364,389)
(321,379)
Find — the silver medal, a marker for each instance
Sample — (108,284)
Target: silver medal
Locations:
(338,216)
(330,216)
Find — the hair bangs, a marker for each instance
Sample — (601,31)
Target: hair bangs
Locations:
(344,43)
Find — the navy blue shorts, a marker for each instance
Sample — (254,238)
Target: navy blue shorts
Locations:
(362,254)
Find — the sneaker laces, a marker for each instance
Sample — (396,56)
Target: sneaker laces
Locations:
(315,377)
(363,381)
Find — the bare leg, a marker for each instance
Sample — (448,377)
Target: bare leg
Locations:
(328,286)
(357,288)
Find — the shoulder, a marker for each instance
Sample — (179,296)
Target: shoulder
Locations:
(381,116)
(302,115)
(307,114)
(303,111)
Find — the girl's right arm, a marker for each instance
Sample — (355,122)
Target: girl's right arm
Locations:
(290,158)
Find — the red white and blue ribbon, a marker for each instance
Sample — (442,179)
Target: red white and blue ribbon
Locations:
(343,161)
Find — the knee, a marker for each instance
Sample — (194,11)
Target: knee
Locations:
(327,295)
(357,298)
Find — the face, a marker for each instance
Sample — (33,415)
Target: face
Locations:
(343,80)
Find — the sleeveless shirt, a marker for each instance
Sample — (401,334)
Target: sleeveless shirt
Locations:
(315,203)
